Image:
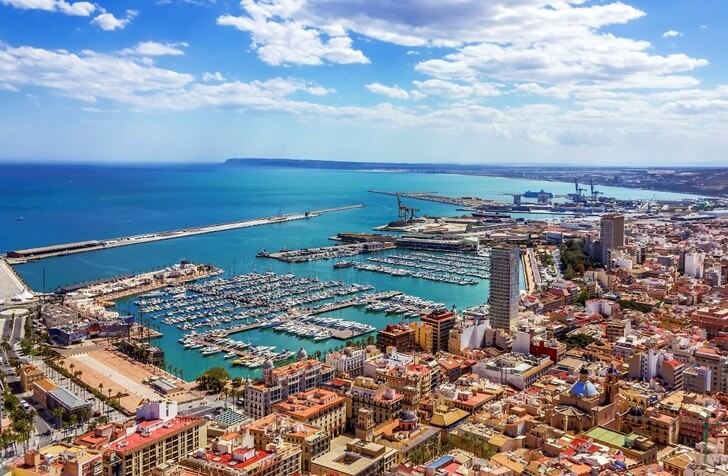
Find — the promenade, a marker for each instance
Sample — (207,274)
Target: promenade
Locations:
(10,284)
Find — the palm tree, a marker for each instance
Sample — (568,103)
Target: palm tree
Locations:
(80,373)
(236,383)
(72,366)
(101,401)
(72,422)
(58,413)
(108,406)
(225,392)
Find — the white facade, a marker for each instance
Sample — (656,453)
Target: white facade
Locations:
(694,264)
(521,343)
(163,410)
(347,360)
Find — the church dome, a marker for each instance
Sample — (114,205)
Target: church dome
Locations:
(301,354)
(583,389)
(407,415)
(268,364)
(636,411)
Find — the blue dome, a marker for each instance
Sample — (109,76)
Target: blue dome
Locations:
(407,415)
(583,389)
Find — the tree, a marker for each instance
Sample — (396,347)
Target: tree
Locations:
(101,397)
(58,413)
(236,384)
(213,380)
(579,340)
(581,298)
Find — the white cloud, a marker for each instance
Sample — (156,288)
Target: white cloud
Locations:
(92,77)
(153,48)
(281,40)
(216,76)
(672,34)
(394,92)
(108,22)
(82,9)
(451,90)
(557,45)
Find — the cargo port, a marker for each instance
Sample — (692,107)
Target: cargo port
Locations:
(34,254)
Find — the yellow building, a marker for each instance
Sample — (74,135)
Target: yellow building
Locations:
(28,374)
(319,407)
(59,460)
(423,335)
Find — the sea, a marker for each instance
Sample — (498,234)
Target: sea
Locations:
(66,203)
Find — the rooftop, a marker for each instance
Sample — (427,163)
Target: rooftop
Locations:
(158,430)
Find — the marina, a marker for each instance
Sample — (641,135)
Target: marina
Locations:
(326,252)
(212,313)
(226,193)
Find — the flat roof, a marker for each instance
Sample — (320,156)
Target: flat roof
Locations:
(68,399)
(137,440)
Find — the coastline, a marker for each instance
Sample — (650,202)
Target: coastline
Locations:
(540,173)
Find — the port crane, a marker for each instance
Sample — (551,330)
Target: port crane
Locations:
(595,194)
(579,191)
(405,213)
(516,197)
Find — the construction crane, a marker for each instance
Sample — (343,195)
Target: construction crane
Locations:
(405,213)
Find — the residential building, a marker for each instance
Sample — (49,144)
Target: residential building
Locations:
(697,379)
(313,441)
(226,459)
(399,336)
(279,383)
(504,287)
(611,235)
(694,264)
(354,457)
(441,321)
(349,361)
(28,374)
(318,407)
(717,363)
(158,436)
(518,370)
(58,459)
(383,402)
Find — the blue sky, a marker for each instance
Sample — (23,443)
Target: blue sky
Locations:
(491,81)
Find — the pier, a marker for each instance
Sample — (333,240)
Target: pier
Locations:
(34,254)
(327,252)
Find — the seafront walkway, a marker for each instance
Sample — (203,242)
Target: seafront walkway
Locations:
(10,284)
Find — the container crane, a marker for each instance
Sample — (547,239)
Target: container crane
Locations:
(405,213)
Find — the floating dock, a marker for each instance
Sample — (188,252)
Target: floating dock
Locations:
(34,254)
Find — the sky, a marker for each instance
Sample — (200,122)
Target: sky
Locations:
(630,82)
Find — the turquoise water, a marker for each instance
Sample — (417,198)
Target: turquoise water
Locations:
(73,203)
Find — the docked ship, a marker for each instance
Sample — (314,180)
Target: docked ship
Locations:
(344,264)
